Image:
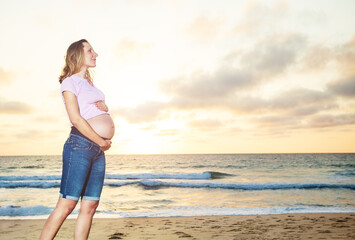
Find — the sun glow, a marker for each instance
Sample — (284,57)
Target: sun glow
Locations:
(131,139)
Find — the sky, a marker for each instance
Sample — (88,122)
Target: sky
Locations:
(185,77)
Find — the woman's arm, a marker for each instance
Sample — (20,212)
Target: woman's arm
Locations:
(72,107)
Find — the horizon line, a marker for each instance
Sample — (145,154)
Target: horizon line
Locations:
(188,154)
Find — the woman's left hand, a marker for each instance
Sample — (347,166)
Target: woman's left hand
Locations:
(101,106)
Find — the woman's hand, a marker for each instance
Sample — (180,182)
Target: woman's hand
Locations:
(101,106)
(106,146)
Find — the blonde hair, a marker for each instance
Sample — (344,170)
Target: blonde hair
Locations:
(74,60)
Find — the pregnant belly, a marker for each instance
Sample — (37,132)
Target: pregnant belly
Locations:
(103,125)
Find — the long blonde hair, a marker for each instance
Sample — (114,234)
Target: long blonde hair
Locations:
(74,60)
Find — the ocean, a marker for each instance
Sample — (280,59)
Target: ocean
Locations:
(188,185)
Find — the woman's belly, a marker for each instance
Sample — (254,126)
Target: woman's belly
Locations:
(103,125)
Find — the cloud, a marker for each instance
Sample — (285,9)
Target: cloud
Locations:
(273,54)
(297,99)
(329,120)
(317,58)
(346,57)
(202,85)
(258,17)
(167,132)
(225,88)
(341,57)
(230,87)
(144,112)
(320,55)
(149,127)
(5,76)
(204,28)
(205,124)
(30,134)
(279,121)
(248,69)
(247,28)
(344,87)
(282,124)
(296,102)
(233,86)
(46,119)
(14,107)
(131,49)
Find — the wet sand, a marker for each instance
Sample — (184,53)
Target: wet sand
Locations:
(283,226)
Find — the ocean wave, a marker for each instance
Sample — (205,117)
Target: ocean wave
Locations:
(345,174)
(203,175)
(343,165)
(28,184)
(12,210)
(36,166)
(244,186)
(187,184)
(226,185)
(27,178)
(30,212)
(186,211)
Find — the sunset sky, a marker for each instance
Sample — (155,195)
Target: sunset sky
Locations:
(201,76)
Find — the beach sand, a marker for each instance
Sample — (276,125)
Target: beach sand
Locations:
(283,226)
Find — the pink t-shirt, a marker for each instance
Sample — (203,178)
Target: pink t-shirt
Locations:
(86,95)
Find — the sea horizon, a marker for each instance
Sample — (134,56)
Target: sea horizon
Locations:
(225,153)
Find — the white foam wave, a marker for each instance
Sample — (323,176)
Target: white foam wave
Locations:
(204,175)
(243,186)
(28,184)
(35,212)
(220,211)
(29,178)
(185,184)
(24,211)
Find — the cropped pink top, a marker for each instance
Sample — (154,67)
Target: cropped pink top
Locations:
(86,95)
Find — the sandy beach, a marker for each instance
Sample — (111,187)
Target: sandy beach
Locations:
(283,226)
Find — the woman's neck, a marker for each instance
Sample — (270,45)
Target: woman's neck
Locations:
(82,73)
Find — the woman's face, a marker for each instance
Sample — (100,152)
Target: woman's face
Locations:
(90,55)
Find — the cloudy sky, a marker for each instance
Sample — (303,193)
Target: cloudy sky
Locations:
(202,76)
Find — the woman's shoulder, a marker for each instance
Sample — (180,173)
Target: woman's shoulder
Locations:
(73,80)
(70,79)
(71,84)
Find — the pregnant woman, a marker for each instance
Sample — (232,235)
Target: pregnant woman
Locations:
(83,154)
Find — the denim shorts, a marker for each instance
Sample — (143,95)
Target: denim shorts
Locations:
(83,170)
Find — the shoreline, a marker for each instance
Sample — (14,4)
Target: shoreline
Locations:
(111,216)
(272,226)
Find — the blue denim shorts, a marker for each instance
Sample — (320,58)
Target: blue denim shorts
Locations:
(83,170)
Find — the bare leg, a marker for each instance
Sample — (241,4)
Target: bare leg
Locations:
(55,220)
(84,220)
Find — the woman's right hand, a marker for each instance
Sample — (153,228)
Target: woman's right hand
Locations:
(106,145)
